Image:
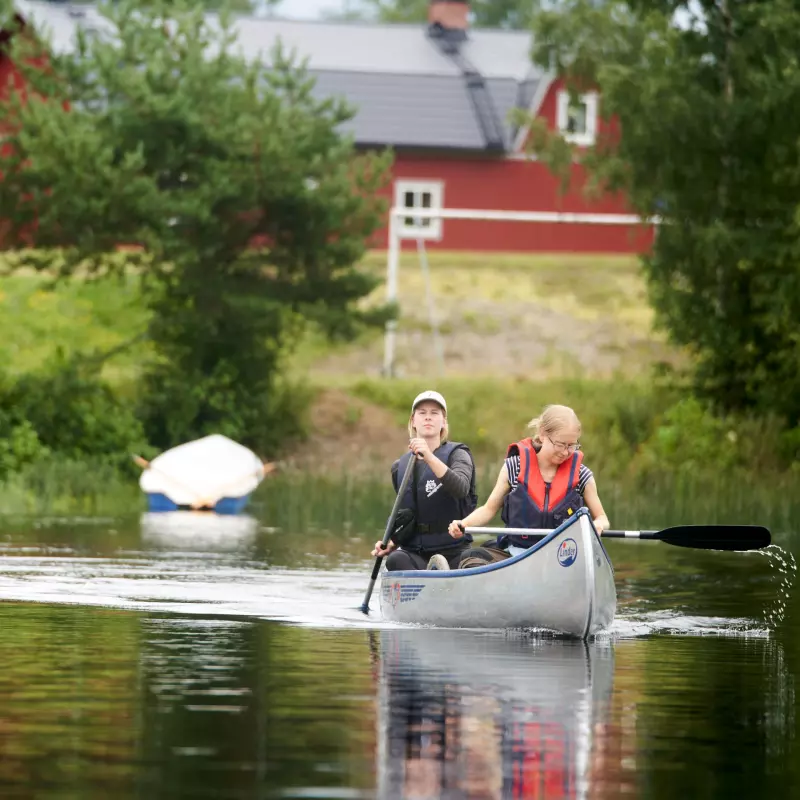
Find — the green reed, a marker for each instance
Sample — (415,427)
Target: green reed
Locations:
(61,486)
(355,504)
(358,503)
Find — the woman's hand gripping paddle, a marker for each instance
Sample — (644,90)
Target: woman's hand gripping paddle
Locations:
(389,530)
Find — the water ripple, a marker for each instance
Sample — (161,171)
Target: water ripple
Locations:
(209,585)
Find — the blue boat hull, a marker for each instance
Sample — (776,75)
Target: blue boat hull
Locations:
(225,505)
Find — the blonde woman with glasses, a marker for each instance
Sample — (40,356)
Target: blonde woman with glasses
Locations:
(542,482)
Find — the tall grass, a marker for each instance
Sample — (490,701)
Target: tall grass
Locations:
(356,505)
(352,504)
(37,318)
(60,486)
(652,469)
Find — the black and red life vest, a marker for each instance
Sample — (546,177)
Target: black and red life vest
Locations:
(532,503)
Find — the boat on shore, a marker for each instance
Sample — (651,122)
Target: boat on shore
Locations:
(209,474)
(564,583)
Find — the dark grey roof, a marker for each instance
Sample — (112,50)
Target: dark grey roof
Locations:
(416,110)
(407,93)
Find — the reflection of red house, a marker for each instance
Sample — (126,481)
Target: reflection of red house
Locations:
(441,96)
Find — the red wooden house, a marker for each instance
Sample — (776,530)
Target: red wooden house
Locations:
(441,96)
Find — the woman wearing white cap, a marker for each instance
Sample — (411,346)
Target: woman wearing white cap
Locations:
(442,488)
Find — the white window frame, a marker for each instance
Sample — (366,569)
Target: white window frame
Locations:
(428,229)
(562,117)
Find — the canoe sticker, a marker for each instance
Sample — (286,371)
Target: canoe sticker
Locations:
(567,552)
(401,593)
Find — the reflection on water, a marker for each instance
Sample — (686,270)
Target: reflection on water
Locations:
(100,703)
(488,716)
(198,531)
(197,656)
(462,715)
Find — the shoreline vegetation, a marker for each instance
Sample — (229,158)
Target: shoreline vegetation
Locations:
(660,457)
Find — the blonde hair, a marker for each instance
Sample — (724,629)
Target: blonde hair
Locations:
(443,434)
(552,419)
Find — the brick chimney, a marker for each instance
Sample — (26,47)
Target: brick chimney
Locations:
(449,14)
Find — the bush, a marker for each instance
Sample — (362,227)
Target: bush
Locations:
(19,444)
(688,439)
(177,409)
(66,410)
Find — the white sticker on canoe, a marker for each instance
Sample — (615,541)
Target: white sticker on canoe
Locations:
(567,552)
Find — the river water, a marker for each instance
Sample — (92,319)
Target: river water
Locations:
(195,656)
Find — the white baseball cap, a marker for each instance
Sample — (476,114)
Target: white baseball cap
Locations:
(429,395)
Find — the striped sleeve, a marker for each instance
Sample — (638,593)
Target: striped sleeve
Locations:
(512,469)
(584,476)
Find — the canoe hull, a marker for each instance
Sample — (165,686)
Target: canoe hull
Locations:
(564,583)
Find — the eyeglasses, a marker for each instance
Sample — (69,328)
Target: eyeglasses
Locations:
(570,448)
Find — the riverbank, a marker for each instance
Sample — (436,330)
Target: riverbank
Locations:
(502,315)
(516,331)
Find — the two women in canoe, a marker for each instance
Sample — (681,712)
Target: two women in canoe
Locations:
(542,482)
(442,487)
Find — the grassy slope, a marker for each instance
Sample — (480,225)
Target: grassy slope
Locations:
(36,319)
(590,345)
(533,316)
(518,331)
(537,316)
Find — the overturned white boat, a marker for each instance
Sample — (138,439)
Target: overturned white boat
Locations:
(213,473)
(564,583)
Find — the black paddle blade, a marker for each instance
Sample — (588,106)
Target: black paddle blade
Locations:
(717,537)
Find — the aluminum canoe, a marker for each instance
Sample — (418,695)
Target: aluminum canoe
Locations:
(564,583)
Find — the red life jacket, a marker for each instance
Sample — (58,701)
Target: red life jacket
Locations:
(534,503)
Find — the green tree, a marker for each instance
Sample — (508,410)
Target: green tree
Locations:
(485,13)
(696,100)
(249,206)
(67,410)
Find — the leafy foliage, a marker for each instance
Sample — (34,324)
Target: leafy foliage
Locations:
(248,205)
(695,131)
(65,410)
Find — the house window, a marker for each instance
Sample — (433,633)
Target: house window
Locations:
(419,194)
(577,120)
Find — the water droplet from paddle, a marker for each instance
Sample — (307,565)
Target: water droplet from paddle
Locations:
(785,569)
